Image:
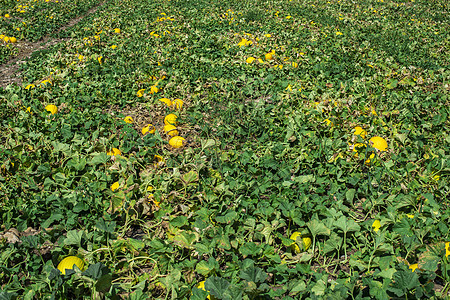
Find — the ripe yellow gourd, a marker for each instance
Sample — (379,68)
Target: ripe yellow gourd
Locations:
(68,263)
(177,142)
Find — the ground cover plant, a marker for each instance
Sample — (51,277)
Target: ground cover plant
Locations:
(228,150)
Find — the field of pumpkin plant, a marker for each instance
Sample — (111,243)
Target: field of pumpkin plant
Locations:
(226,149)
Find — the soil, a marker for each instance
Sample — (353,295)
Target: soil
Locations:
(9,71)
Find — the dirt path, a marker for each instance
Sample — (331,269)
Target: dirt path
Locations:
(9,73)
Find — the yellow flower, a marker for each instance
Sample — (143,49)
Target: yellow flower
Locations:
(267,35)
(114,152)
(410,216)
(294,64)
(260,60)
(148,129)
(372,156)
(250,60)
(128,119)
(29,109)
(115,186)
(113,47)
(376,225)
(80,57)
(329,123)
(153,89)
(30,86)
(339,33)
(52,109)
(413,267)
(117,30)
(100,59)
(140,93)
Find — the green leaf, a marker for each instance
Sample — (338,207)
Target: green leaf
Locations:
(103,283)
(184,239)
(105,226)
(8,295)
(297,287)
(98,158)
(254,274)
(431,257)
(316,228)
(217,286)
(59,178)
(223,241)
(208,143)
(304,179)
(319,288)
(96,271)
(392,84)
(171,279)
(333,243)
(136,244)
(378,290)
(190,177)
(179,221)
(346,225)
(140,295)
(197,294)
(403,281)
(387,273)
(227,218)
(206,267)
(350,195)
(251,248)
(51,219)
(74,237)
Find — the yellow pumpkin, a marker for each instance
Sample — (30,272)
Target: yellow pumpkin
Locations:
(171,130)
(51,108)
(306,241)
(177,142)
(170,119)
(68,263)
(379,143)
